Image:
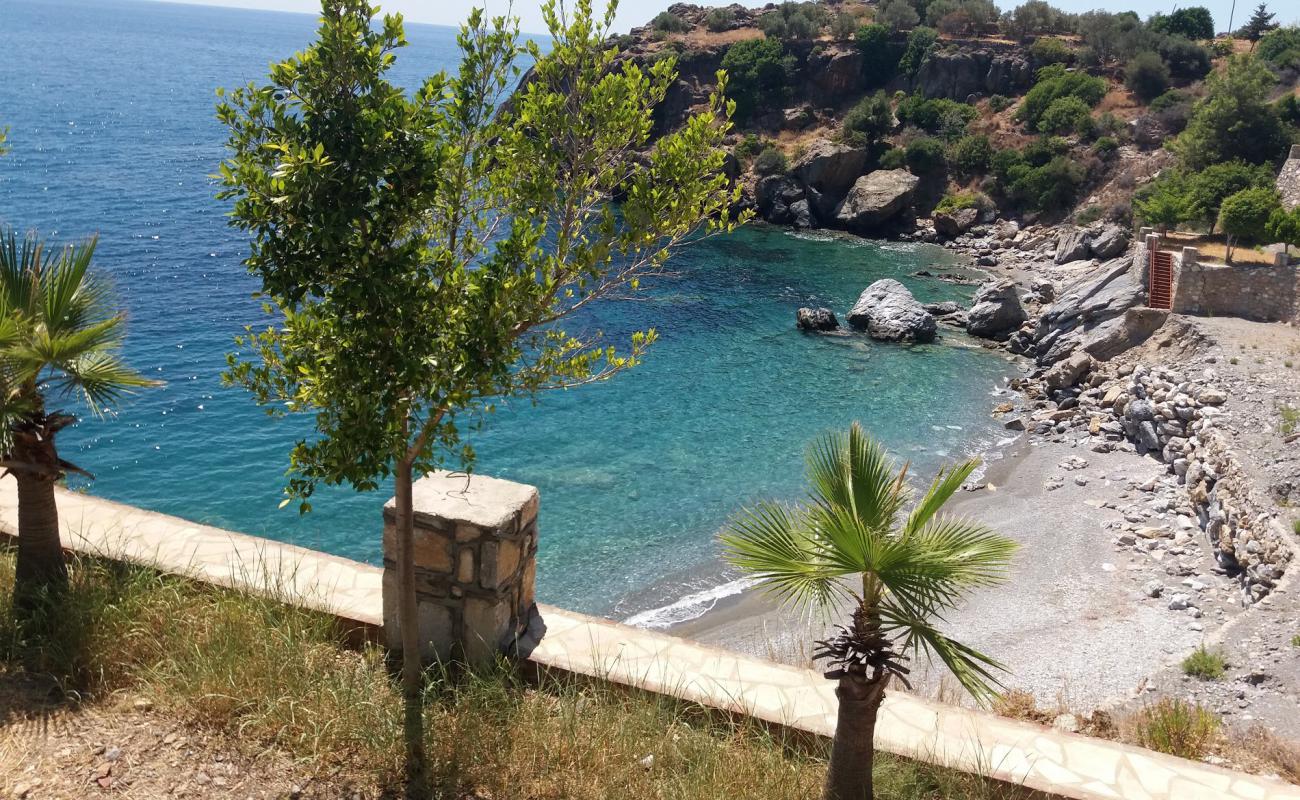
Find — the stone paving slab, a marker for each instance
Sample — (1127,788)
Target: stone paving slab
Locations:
(1041,758)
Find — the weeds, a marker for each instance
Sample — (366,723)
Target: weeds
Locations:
(1208,665)
(1176,727)
(1289,419)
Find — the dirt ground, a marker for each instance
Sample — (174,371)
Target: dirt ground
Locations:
(123,747)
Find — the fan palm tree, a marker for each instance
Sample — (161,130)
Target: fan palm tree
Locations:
(906,572)
(59,338)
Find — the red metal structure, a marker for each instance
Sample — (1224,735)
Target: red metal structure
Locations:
(1160,292)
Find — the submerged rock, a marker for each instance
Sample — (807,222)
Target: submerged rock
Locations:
(876,198)
(887,311)
(816,319)
(997,312)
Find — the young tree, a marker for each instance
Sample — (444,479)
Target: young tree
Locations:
(852,548)
(1260,23)
(420,252)
(1235,119)
(1245,215)
(1165,203)
(59,340)
(899,15)
(1192,23)
(1147,75)
(1284,228)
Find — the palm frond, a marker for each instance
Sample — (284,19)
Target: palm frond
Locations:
(18,266)
(45,346)
(100,378)
(773,544)
(969,553)
(975,671)
(946,483)
(855,473)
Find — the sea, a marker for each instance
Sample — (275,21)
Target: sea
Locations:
(110,106)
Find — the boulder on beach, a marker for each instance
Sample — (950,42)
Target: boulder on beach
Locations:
(1109,242)
(1071,245)
(830,167)
(876,198)
(887,311)
(997,312)
(816,319)
(955,223)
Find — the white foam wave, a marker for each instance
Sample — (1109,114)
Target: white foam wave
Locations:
(691,606)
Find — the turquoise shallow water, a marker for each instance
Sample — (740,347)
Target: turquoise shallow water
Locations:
(110,105)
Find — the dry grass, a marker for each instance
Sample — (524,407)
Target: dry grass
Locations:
(1213,248)
(279,678)
(1264,751)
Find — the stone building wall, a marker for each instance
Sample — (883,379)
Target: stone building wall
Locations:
(1250,291)
(1288,179)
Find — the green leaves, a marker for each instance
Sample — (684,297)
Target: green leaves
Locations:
(422,251)
(59,332)
(911,573)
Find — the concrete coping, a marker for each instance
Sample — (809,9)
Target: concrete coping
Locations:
(1035,756)
(479,500)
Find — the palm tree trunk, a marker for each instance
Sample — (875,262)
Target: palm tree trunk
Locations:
(417,778)
(848,776)
(41,565)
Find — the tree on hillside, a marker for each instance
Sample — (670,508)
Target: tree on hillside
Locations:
(856,548)
(1234,120)
(879,54)
(1260,23)
(1245,216)
(60,333)
(1193,23)
(758,72)
(899,15)
(1147,76)
(1165,203)
(420,251)
(1284,228)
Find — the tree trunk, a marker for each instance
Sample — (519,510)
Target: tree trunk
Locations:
(417,778)
(41,565)
(848,777)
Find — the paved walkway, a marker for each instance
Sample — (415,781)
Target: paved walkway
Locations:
(1038,757)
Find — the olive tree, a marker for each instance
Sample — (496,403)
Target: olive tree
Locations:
(1245,215)
(420,251)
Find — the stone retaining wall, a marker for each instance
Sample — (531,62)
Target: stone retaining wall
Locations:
(1250,291)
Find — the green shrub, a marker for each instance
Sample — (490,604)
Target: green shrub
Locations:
(668,22)
(720,19)
(919,44)
(1245,215)
(1088,215)
(1289,417)
(749,146)
(1186,60)
(971,155)
(870,119)
(1295,640)
(1106,146)
(1192,23)
(1049,50)
(893,158)
(770,162)
(947,118)
(1055,83)
(1054,186)
(758,73)
(880,54)
(844,26)
(1281,46)
(898,15)
(1177,728)
(1209,187)
(1036,17)
(959,200)
(1208,665)
(1147,76)
(925,156)
(999,103)
(1066,115)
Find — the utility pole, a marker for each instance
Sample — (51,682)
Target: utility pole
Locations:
(1232,14)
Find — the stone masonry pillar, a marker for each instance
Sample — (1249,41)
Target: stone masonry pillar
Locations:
(475,567)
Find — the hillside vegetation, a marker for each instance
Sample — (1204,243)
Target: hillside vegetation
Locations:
(1034,113)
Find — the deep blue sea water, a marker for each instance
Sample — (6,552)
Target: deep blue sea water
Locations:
(110,104)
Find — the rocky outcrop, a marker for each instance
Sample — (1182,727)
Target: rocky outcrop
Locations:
(1093,315)
(776,197)
(1109,241)
(955,223)
(997,312)
(887,311)
(834,74)
(816,319)
(963,72)
(828,170)
(1071,245)
(876,198)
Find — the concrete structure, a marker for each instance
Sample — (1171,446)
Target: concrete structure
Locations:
(1035,756)
(1265,293)
(475,566)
